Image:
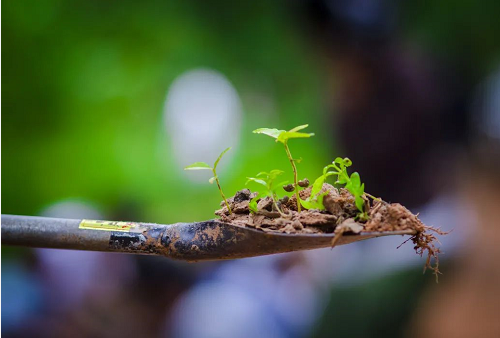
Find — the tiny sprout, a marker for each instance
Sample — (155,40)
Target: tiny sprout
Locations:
(315,199)
(352,183)
(215,178)
(283,136)
(268,187)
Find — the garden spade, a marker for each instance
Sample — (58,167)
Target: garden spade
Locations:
(198,241)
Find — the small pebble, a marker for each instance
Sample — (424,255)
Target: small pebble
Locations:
(289,188)
(297,225)
(304,183)
(242,195)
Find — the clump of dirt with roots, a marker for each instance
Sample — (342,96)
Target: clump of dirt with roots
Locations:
(321,207)
(339,217)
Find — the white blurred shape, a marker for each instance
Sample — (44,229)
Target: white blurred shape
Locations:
(202,117)
(72,208)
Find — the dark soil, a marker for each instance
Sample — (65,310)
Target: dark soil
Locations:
(339,217)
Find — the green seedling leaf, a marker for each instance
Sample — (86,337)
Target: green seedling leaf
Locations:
(357,189)
(256,180)
(310,204)
(273,174)
(352,183)
(220,156)
(341,180)
(317,185)
(268,186)
(273,132)
(252,205)
(304,126)
(355,179)
(360,203)
(285,136)
(215,178)
(314,202)
(329,173)
(198,166)
(344,162)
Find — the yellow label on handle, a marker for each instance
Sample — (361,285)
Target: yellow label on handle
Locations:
(106,225)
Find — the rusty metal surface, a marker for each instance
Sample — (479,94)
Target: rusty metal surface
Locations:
(145,241)
(200,241)
(214,240)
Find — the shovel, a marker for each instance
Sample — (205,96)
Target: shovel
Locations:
(193,242)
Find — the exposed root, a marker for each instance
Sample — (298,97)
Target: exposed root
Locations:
(425,242)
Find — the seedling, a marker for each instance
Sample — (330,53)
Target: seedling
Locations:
(268,187)
(381,217)
(352,183)
(315,199)
(283,136)
(204,166)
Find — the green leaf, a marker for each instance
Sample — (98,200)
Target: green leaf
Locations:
(344,162)
(317,185)
(308,204)
(325,170)
(356,180)
(314,203)
(256,180)
(198,166)
(274,174)
(304,126)
(360,203)
(252,205)
(285,136)
(273,132)
(341,180)
(220,156)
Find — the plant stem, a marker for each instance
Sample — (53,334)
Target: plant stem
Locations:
(221,193)
(295,180)
(276,206)
(274,198)
(373,197)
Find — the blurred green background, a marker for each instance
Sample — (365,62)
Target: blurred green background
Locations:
(84,87)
